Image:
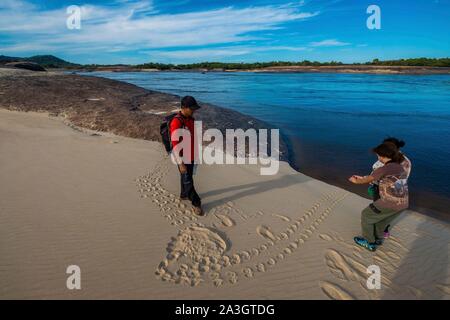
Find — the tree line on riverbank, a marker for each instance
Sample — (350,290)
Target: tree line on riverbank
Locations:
(427,62)
(49,61)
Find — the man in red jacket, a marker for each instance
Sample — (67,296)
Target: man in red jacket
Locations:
(184,120)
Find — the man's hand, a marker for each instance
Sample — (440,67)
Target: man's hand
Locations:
(182,168)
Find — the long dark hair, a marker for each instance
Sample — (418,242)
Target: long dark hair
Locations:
(399,143)
(389,150)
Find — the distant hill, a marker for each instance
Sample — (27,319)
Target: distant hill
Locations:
(46,61)
(6,59)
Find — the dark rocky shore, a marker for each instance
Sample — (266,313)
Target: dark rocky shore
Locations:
(107,105)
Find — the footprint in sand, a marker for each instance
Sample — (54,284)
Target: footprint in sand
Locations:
(271,262)
(325,237)
(283,236)
(349,268)
(254,252)
(280,256)
(266,233)
(235,259)
(344,268)
(225,220)
(261,267)
(196,255)
(335,292)
(445,288)
(245,255)
(218,282)
(225,261)
(293,245)
(232,277)
(284,218)
(248,272)
(199,245)
(339,240)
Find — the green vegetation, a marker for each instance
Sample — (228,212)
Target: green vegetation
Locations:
(233,65)
(49,61)
(159,66)
(443,62)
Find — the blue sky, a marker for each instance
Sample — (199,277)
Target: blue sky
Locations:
(185,31)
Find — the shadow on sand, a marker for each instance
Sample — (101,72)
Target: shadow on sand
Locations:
(244,190)
(425,267)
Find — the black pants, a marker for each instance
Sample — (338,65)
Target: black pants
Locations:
(187,186)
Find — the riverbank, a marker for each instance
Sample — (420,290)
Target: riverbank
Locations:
(351,69)
(355,69)
(109,106)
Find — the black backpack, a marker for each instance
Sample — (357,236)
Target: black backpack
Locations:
(164,130)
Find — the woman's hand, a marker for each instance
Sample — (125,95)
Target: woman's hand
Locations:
(354,178)
(361,180)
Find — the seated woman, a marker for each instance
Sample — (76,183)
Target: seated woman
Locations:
(393,195)
(406,164)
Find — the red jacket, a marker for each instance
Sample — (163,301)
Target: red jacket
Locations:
(180,121)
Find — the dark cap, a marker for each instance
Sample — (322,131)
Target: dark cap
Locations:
(189,102)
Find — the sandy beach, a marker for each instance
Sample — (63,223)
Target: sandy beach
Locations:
(354,69)
(109,205)
(359,69)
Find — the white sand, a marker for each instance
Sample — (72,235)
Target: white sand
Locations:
(107,204)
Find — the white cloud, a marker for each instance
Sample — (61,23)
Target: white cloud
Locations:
(200,54)
(16,5)
(329,43)
(24,47)
(210,54)
(131,25)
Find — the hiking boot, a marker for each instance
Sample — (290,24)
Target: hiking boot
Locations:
(198,211)
(362,242)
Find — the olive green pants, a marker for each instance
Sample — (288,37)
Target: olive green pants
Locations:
(373,223)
